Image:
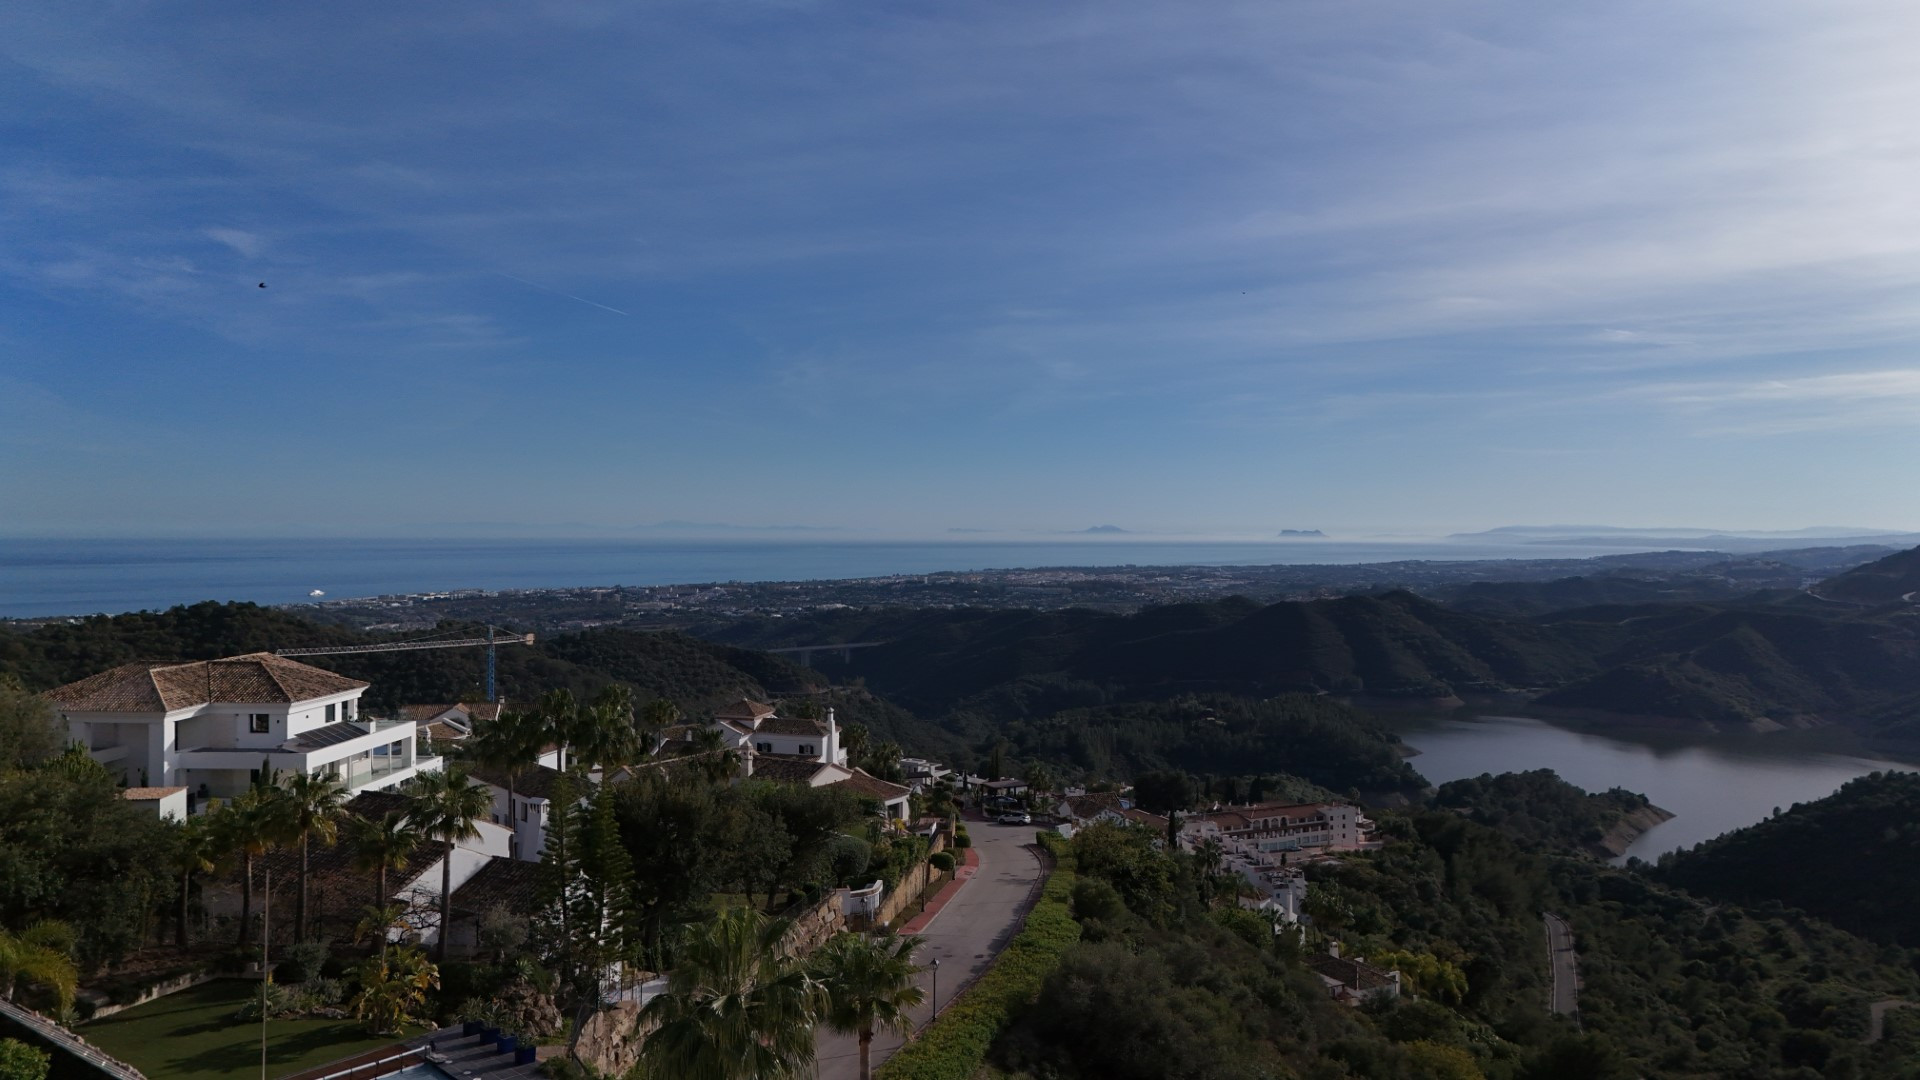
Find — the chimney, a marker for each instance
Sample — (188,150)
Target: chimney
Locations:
(1333,950)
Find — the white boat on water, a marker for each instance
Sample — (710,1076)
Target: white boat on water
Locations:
(318,592)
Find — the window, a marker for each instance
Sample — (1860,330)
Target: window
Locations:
(523,811)
(331,709)
(346,710)
(808,750)
(258,723)
(765,747)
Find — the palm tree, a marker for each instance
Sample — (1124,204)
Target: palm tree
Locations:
(719,757)
(252,824)
(509,742)
(659,715)
(380,845)
(196,848)
(736,1007)
(869,985)
(448,807)
(559,720)
(380,921)
(315,804)
(40,954)
(605,730)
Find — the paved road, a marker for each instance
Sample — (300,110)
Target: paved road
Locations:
(1877,1015)
(1565,1000)
(969,932)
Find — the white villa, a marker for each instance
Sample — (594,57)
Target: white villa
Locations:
(796,750)
(1271,834)
(208,726)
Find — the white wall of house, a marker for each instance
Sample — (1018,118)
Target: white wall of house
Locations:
(422,895)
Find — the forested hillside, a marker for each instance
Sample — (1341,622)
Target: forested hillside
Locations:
(1393,644)
(1540,810)
(686,670)
(1852,858)
(1169,981)
(1747,666)
(1322,741)
(1884,581)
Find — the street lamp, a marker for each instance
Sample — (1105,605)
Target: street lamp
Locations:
(935,964)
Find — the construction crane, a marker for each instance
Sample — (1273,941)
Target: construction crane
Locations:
(495,637)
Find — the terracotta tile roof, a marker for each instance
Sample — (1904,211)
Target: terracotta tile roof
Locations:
(421,714)
(1088,807)
(445,731)
(1355,974)
(532,781)
(483,711)
(502,883)
(792,725)
(1141,817)
(256,678)
(866,783)
(744,709)
(786,768)
(339,890)
(138,794)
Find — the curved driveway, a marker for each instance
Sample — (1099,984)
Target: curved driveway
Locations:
(965,937)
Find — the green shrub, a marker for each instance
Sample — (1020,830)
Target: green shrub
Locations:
(942,861)
(18,1061)
(963,841)
(955,1046)
(301,961)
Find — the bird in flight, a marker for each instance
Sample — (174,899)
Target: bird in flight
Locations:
(263,284)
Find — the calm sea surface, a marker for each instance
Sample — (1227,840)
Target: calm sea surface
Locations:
(1712,784)
(70,577)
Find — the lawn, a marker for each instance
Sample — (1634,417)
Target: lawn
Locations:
(193,1034)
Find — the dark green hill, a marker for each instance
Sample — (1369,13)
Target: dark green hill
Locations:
(684,669)
(1852,858)
(1393,644)
(1523,598)
(1540,810)
(1754,666)
(1321,740)
(1886,581)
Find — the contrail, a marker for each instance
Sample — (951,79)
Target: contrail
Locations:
(557,292)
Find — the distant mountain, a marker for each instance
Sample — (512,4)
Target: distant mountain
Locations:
(1852,858)
(1104,529)
(1889,581)
(1303,533)
(1564,531)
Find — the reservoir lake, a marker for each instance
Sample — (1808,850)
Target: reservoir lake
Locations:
(1710,783)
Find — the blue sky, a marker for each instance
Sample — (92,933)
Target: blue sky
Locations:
(1197,268)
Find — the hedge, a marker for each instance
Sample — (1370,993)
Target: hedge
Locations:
(942,861)
(955,1046)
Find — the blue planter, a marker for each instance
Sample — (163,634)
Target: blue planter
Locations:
(506,1044)
(525,1055)
(489,1034)
(473,1027)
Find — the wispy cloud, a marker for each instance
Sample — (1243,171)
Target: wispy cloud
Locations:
(1852,399)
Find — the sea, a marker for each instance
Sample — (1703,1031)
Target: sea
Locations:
(44,577)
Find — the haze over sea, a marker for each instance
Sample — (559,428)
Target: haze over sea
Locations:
(42,577)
